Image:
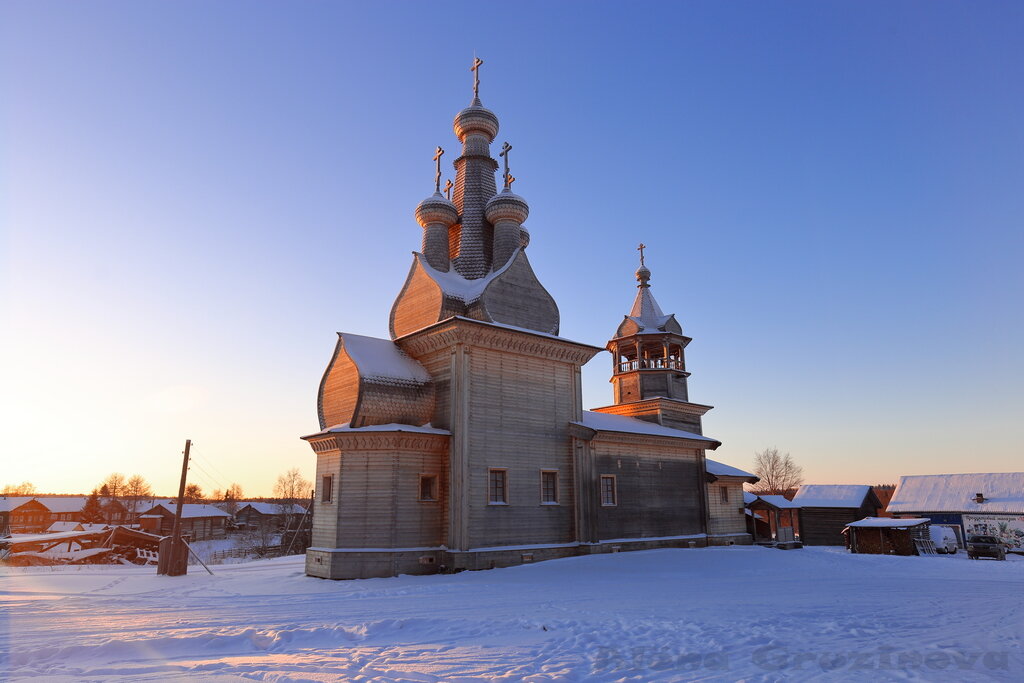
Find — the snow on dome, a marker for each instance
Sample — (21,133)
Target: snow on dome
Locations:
(382,360)
(831,495)
(1001,492)
(607,422)
(436,209)
(390,427)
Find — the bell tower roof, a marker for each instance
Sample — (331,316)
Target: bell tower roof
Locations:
(646,316)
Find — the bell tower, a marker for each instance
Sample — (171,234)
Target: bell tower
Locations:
(649,365)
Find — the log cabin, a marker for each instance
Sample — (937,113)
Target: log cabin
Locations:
(461,442)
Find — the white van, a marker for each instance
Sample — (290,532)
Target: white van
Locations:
(944,538)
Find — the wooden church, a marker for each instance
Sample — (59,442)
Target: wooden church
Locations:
(461,442)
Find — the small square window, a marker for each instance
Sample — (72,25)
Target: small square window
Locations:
(327,489)
(497,487)
(609,494)
(723,492)
(549,487)
(428,487)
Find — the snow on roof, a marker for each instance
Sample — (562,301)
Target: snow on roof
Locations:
(8,503)
(831,495)
(389,427)
(722,470)
(888,522)
(63,503)
(193,510)
(382,360)
(1002,491)
(454,285)
(607,422)
(274,508)
(778,501)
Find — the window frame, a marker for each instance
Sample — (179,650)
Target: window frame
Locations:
(504,474)
(557,500)
(434,490)
(614,490)
(327,488)
(723,495)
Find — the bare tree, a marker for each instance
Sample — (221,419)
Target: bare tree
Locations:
(135,490)
(778,472)
(229,497)
(25,488)
(291,486)
(115,485)
(193,493)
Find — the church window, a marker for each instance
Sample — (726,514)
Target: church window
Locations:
(497,487)
(327,489)
(428,487)
(609,494)
(724,493)
(549,487)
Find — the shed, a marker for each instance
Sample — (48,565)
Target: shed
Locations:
(975,503)
(886,536)
(827,509)
(773,516)
(273,515)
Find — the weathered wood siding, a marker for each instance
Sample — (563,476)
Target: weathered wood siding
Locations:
(824,526)
(726,517)
(658,489)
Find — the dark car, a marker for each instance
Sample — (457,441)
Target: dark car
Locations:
(985,546)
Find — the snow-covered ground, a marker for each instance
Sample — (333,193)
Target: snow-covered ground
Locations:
(720,614)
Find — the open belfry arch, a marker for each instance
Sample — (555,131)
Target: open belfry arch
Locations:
(461,442)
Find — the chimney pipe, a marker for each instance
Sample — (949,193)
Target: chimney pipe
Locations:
(979,498)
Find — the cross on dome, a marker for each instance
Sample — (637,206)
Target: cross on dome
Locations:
(477,63)
(438,153)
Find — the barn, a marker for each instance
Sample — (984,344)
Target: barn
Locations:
(980,503)
(827,509)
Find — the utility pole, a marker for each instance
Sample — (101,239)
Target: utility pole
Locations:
(177,562)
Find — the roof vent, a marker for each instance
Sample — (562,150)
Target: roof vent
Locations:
(979,498)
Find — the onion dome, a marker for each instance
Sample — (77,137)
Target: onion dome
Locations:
(476,119)
(506,206)
(643,275)
(436,209)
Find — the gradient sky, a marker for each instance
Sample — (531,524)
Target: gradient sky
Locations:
(197,196)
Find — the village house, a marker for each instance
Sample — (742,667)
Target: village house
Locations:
(7,506)
(826,509)
(198,522)
(268,515)
(990,504)
(773,517)
(461,442)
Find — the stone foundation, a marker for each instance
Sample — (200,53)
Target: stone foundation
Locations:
(329,563)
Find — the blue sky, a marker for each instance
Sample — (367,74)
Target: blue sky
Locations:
(196,196)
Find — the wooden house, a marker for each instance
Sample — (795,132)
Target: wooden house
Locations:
(31,517)
(461,442)
(258,515)
(827,509)
(198,522)
(7,506)
(885,535)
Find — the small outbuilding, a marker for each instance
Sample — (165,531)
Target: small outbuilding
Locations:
(774,518)
(827,509)
(886,536)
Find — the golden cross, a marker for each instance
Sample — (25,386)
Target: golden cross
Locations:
(438,153)
(448,189)
(641,250)
(477,63)
(505,149)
